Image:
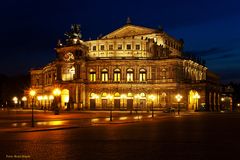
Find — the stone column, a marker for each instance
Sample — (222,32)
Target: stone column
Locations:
(77,70)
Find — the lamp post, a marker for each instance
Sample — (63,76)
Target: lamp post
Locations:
(56,93)
(15,101)
(196,97)
(32,94)
(178,97)
(123,96)
(110,97)
(152,97)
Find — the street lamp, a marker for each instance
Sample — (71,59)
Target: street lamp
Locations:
(110,97)
(178,97)
(56,93)
(32,94)
(15,100)
(123,96)
(196,97)
(40,98)
(24,99)
(152,97)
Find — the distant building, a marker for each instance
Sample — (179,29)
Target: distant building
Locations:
(133,67)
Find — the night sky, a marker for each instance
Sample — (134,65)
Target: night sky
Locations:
(29,30)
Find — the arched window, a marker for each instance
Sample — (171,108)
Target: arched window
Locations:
(104,75)
(142,75)
(92,75)
(142,94)
(104,94)
(116,94)
(129,75)
(117,75)
(68,73)
(130,94)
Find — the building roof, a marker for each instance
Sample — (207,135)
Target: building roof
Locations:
(129,30)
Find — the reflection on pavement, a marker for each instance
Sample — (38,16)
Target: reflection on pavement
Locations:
(46,123)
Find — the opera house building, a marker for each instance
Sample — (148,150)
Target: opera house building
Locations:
(133,67)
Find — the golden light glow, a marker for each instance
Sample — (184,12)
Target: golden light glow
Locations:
(56,92)
(51,97)
(94,96)
(45,97)
(123,118)
(123,96)
(32,93)
(39,98)
(95,120)
(137,96)
(137,117)
(24,98)
(178,97)
(66,99)
(107,119)
(222,99)
(109,97)
(23,124)
(196,96)
(14,124)
(15,100)
(152,97)
(55,123)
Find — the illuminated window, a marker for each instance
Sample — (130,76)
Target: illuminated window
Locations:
(130,94)
(129,75)
(137,46)
(110,47)
(129,46)
(116,94)
(117,75)
(142,75)
(68,73)
(163,73)
(104,94)
(102,47)
(119,46)
(92,75)
(94,48)
(142,94)
(104,75)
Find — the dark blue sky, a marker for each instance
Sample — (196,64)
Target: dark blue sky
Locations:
(29,30)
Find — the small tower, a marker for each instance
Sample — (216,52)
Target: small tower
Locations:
(128,21)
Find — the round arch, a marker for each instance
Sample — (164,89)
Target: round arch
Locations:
(192,100)
(64,98)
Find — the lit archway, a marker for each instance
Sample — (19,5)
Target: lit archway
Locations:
(64,98)
(192,100)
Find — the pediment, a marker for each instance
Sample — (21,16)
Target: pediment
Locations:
(128,31)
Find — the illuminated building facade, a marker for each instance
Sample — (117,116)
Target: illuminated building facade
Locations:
(123,69)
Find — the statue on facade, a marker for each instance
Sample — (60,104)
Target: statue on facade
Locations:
(75,32)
